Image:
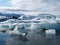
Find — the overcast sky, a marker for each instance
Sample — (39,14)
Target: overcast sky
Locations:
(40,6)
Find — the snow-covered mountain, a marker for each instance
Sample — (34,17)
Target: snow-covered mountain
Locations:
(47,16)
(28,17)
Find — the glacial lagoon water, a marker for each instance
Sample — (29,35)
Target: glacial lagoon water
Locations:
(32,38)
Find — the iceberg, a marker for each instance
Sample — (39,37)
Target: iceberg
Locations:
(47,25)
(36,23)
(20,29)
(58,19)
(6,27)
(47,22)
(50,32)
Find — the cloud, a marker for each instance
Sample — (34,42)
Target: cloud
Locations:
(34,4)
(23,4)
(40,6)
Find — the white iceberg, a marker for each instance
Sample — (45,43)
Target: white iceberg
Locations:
(19,29)
(50,32)
(5,27)
(58,19)
(48,22)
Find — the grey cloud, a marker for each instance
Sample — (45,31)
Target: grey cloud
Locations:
(44,6)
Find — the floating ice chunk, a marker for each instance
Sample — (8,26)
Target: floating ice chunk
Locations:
(50,31)
(5,27)
(10,21)
(37,26)
(58,19)
(18,30)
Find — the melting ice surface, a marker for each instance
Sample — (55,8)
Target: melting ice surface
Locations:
(34,37)
(39,22)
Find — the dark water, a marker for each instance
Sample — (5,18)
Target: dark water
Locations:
(33,38)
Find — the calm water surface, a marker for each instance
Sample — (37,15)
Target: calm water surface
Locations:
(33,38)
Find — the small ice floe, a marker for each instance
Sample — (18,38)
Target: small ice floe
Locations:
(6,27)
(18,31)
(15,32)
(50,33)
